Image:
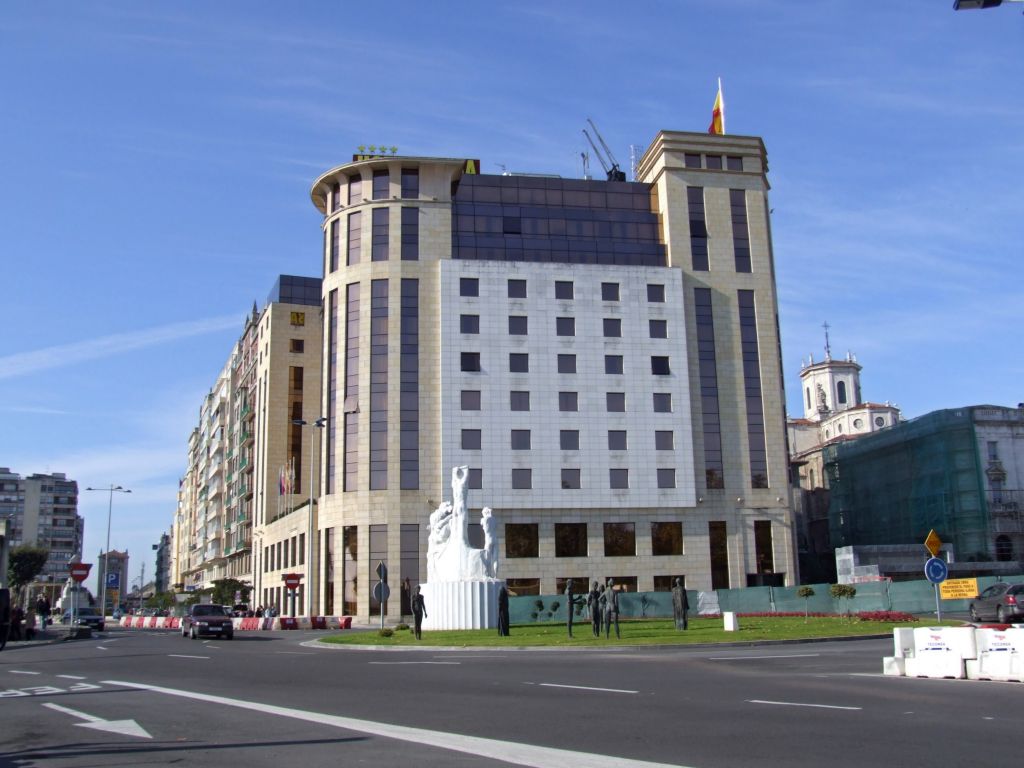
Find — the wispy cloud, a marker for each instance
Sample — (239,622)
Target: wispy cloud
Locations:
(37,409)
(62,355)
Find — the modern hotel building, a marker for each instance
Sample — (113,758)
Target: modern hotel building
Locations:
(603,355)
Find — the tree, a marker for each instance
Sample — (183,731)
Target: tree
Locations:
(223,591)
(805,592)
(161,601)
(843,591)
(25,563)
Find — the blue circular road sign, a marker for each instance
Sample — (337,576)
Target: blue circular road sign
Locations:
(936,570)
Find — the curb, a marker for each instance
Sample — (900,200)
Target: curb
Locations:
(317,643)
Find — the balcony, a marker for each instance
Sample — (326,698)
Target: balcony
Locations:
(243,463)
(246,437)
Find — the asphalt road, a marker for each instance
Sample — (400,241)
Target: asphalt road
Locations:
(266,699)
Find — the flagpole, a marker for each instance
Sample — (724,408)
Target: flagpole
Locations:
(722,97)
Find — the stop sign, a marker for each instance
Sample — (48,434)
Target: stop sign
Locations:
(79,571)
(291,580)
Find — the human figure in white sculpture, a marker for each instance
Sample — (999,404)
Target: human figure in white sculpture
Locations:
(490,526)
(460,477)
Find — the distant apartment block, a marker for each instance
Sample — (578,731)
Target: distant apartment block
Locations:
(43,510)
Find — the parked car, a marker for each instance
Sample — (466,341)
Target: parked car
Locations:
(87,616)
(207,620)
(1000,602)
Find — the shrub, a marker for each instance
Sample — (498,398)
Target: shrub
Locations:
(385,632)
(885,616)
(401,627)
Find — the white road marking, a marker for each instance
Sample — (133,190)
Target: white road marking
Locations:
(72,677)
(101,648)
(586,688)
(451,663)
(21,672)
(472,656)
(185,656)
(504,751)
(124,727)
(797,704)
(743,658)
(295,653)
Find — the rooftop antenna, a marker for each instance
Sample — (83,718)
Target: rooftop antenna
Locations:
(611,167)
(828,347)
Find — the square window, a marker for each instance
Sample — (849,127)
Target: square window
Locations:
(471,362)
(714,162)
(517,325)
(563,289)
(475,481)
(619,539)
(570,478)
(297,345)
(658,328)
(691,160)
(662,402)
(612,327)
(609,291)
(734,162)
(469,323)
(520,439)
(520,401)
(517,289)
(519,362)
(565,326)
(569,439)
(521,538)
(613,364)
(567,363)
(666,539)
(381,182)
(471,399)
(655,293)
(571,540)
(469,286)
(568,401)
(666,478)
(618,478)
(660,366)
(471,439)
(664,440)
(615,402)
(522,480)
(616,440)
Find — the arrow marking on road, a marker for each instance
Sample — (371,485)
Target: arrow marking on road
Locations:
(480,747)
(123,727)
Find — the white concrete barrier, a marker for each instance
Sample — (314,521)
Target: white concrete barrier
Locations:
(941,652)
(1000,655)
(894,666)
(732,621)
(903,642)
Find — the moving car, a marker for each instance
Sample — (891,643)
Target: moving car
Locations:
(1000,602)
(87,616)
(207,620)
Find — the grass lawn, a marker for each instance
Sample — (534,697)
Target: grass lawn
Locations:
(637,632)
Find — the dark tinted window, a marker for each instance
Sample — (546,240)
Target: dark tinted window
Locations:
(469,286)
(519,362)
(517,289)
(563,289)
(517,325)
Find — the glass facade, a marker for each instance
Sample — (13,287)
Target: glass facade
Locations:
(379,313)
(531,218)
(409,403)
(351,404)
(714,473)
(752,387)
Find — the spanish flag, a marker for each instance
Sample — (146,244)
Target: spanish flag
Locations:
(718,113)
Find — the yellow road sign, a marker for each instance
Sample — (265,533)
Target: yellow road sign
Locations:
(958,589)
(933,543)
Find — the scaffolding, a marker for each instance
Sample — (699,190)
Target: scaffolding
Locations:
(894,486)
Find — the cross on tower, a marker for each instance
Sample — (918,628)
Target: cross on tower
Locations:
(828,347)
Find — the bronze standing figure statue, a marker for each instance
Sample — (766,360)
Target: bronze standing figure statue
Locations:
(571,601)
(611,609)
(419,610)
(594,606)
(680,605)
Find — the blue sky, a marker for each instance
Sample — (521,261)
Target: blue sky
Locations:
(156,159)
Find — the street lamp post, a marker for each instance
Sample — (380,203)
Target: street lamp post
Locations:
(320,423)
(106,558)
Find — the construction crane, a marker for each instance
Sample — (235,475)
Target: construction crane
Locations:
(611,166)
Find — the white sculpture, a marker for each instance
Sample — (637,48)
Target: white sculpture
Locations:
(449,554)
(462,585)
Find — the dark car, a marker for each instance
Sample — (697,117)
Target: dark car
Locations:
(86,616)
(1001,602)
(207,620)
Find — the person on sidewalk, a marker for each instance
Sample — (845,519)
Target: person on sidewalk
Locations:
(419,610)
(42,611)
